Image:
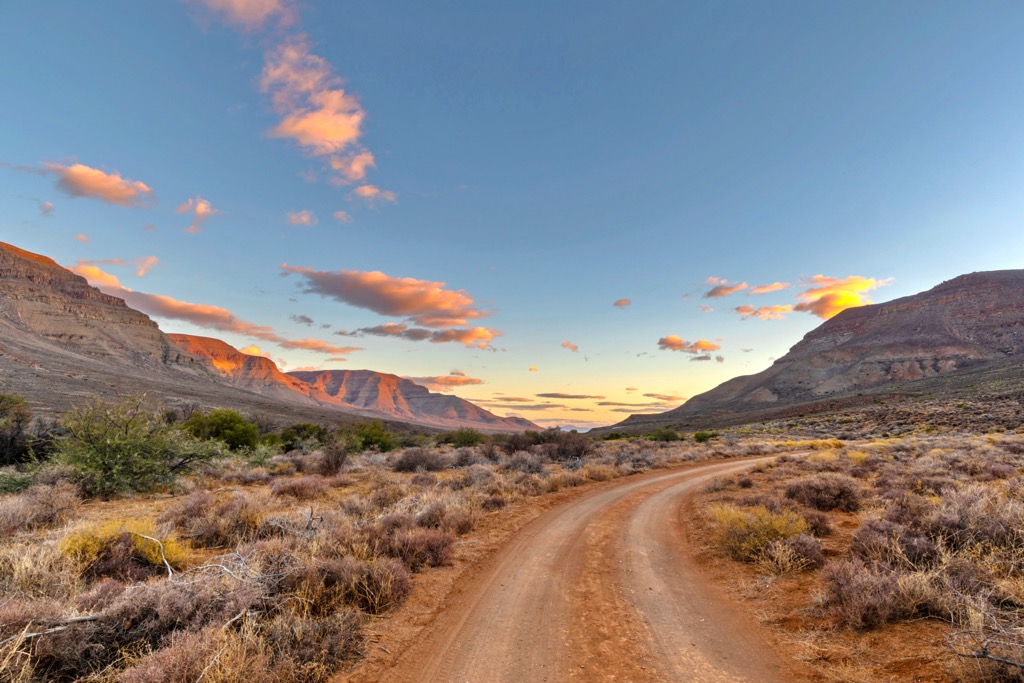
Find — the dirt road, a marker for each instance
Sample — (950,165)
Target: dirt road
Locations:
(600,588)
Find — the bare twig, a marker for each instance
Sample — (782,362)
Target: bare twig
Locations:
(64,624)
(163,556)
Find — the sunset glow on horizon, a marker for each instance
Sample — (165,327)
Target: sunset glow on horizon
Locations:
(568,212)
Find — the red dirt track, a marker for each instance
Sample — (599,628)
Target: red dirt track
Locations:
(599,588)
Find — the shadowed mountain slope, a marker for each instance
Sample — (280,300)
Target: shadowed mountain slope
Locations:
(970,323)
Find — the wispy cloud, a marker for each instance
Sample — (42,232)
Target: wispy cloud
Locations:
(675,343)
(765,312)
(722,287)
(45,208)
(201,315)
(247,14)
(667,398)
(342,216)
(569,345)
(201,209)
(79,180)
(145,264)
(479,337)
(304,217)
(372,194)
(768,289)
(827,296)
(302,319)
(447,382)
(533,368)
(352,166)
(622,303)
(82,237)
(704,308)
(566,396)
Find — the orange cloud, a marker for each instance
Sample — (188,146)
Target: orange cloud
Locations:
(471,336)
(352,166)
(372,194)
(317,113)
(666,398)
(201,315)
(569,345)
(342,216)
(447,382)
(201,209)
(82,237)
(303,217)
(630,390)
(722,288)
(253,350)
(828,296)
(621,303)
(533,368)
(79,180)
(479,337)
(45,208)
(425,302)
(144,265)
(764,312)
(767,289)
(706,309)
(567,396)
(675,343)
(247,14)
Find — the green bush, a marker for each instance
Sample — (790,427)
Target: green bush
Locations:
(302,434)
(226,426)
(665,434)
(704,436)
(15,417)
(373,436)
(127,446)
(465,437)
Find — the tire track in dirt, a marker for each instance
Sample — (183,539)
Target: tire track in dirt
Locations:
(596,589)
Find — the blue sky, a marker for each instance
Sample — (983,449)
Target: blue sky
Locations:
(542,160)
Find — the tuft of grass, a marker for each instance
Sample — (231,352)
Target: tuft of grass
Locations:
(745,533)
(125,550)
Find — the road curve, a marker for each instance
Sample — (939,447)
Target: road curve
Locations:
(597,589)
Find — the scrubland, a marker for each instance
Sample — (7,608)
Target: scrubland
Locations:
(273,561)
(896,559)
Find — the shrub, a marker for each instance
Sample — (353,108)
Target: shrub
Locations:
(15,417)
(219,523)
(311,649)
(857,597)
(373,436)
(744,533)
(303,488)
(419,460)
(419,547)
(826,492)
(38,507)
(335,455)
(124,550)
(572,445)
(224,425)
(465,437)
(302,436)
(127,446)
(522,461)
(663,434)
(704,436)
(381,585)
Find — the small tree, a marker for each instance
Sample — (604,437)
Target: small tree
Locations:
(372,435)
(127,446)
(224,425)
(302,435)
(15,417)
(464,437)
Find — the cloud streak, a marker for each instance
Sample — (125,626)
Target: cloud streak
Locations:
(722,287)
(764,312)
(201,209)
(673,342)
(304,217)
(567,396)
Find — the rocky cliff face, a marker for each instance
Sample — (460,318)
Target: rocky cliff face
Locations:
(40,298)
(402,399)
(965,323)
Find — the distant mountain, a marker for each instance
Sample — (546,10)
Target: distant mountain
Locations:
(957,328)
(402,399)
(63,341)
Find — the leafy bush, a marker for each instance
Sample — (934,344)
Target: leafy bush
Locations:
(301,435)
(226,426)
(127,446)
(664,434)
(704,436)
(373,436)
(15,417)
(826,492)
(465,437)
(745,533)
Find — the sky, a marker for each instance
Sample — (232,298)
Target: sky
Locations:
(568,211)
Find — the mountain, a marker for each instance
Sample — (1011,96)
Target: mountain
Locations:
(62,341)
(402,399)
(957,329)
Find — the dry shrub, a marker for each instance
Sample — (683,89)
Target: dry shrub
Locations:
(26,614)
(184,660)
(423,479)
(744,533)
(817,522)
(387,494)
(563,480)
(528,485)
(596,472)
(458,520)
(381,585)
(419,548)
(826,492)
(419,460)
(780,558)
(495,502)
(303,488)
(322,586)
(525,462)
(37,569)
(132,550)
(219,523)
(38,507)
(311,649)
